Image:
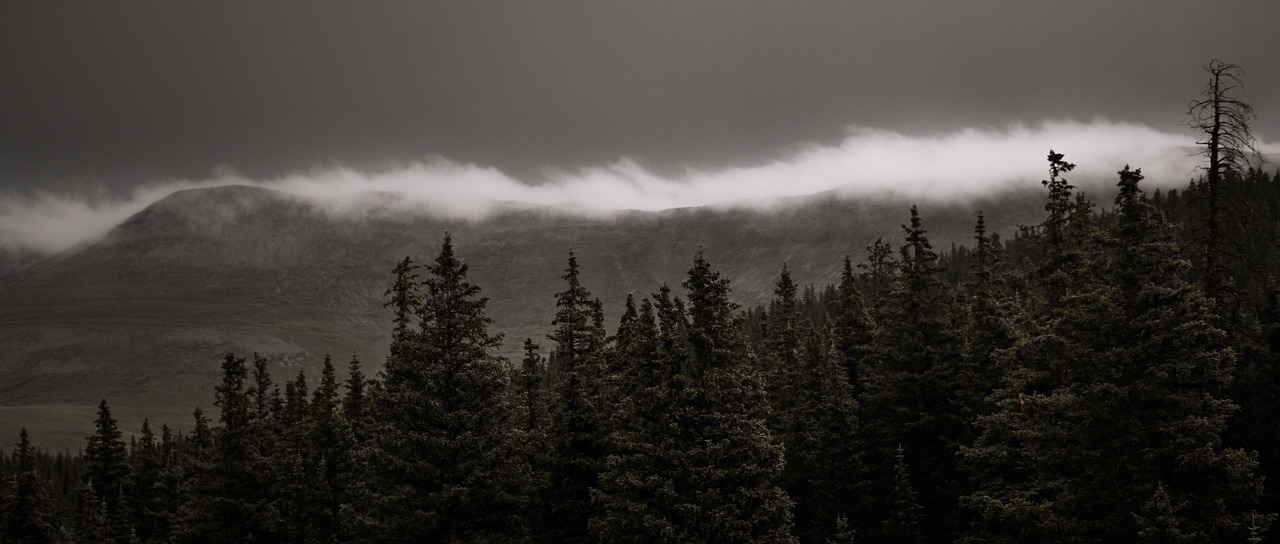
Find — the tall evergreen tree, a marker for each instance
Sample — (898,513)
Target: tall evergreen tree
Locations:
(636,495)
(532,384)
(92,525)
(107,468)
(402,297)
(448,457)
(814,416)
(148,467)
(910,397)
(903,524)
(851,330)
(29,513)
(733,461)
(355,407)
(579,420)
(695,460)
(1115,406)
(231,496)
(986,329)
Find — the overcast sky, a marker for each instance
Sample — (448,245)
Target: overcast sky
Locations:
(124,93)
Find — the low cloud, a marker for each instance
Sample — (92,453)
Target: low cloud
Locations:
(961,165)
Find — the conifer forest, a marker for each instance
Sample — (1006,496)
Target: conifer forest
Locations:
(1107,375)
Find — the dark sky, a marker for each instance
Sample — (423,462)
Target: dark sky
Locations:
(128,92)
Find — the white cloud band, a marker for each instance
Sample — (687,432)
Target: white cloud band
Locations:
(868,162)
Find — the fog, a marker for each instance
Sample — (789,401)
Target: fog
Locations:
(866,163)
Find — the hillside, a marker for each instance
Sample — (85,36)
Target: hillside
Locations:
(143,316)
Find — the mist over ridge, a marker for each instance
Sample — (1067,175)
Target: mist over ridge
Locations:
(868,163)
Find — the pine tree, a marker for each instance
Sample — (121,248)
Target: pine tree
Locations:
(107,468)
(1115,406)
(448,456)
(355,409)
(845,533)
(260,390)
(1159,523)
(780,361)
(92,525)
(903,524)
(30,515)
(851,330)
(695,460)
(814,411)
(579,420)
(402,296)
(986,331)
(733,461)
(231,495)
(316,461)
(201,435)
(635,498)
(910,398)
(533,387)
(148,466)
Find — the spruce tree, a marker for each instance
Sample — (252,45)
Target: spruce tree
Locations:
(232,491)
(355,408)
(851,330)
(731,491)
(815,417)
(903,524)
(29,513)
(447,457)
(636,495)
(107,468)
(695,460)
(910,398)
(988,310)
(148,466)
(1115,406)
(532,384)
(579,419)
(92,525)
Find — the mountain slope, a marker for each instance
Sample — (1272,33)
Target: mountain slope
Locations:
(143,316)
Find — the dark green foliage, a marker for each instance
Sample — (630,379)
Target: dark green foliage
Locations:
(107,470)
(989,313)
(910,398)
(532,383)
(447,456)
(814,415)
(906,515)
(696,461)
(1115,406)
(231,496)
(845,533)
(851,330)
(144,491)
(92,525)
(1072,385)
(355,404)
(28,512)
(579,420)
(402,296)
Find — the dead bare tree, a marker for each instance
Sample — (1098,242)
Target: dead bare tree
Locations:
(1228,145)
